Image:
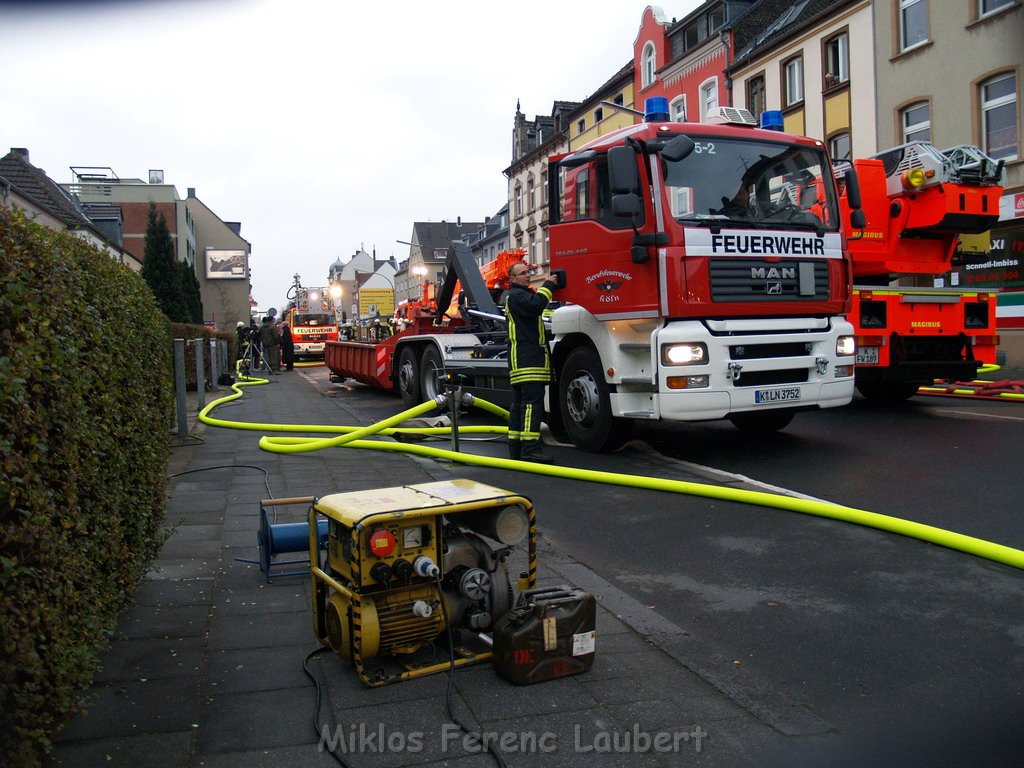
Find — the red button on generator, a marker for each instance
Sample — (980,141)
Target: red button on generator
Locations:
(382,542)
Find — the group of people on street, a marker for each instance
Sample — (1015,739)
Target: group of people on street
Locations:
(528,356)
(275,341)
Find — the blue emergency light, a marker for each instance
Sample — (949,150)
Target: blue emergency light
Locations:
(656,110)
(771,120)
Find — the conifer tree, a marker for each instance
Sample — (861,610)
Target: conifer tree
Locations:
(190,292)
(159,270)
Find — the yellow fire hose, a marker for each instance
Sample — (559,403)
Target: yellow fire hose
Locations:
(989,368)
(353,438)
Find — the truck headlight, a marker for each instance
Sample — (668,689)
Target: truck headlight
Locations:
(846,346)
(692,353)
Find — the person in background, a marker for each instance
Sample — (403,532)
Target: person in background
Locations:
(242,334)
(529,362)
(287,348)
(271,344)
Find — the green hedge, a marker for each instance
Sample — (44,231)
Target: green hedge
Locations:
(85,398)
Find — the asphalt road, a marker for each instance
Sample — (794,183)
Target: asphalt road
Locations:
(870,631)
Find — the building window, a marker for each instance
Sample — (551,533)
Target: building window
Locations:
(581,126)
(839,146)
(519,199)
(677,109)
(916,122)
(837,60)
(999,117)
(690,37)
(793,81)
(709,99)
(985,7)
(620,100)
(529,196)
(681,201)
(716,18)
(913,23)
(598,115)
(755,96)
(544,186)
(647,65)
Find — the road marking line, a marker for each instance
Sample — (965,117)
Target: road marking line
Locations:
(955,414)
(720,474)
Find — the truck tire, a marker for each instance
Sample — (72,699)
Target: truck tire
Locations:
(409,376)
(762,422)
(430,368)
(583,395)
(887,392)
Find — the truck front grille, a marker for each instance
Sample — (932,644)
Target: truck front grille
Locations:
(760,280)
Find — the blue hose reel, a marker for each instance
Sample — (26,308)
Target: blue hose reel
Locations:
(276,539)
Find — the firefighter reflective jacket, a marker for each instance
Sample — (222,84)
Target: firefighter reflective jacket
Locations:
(528,357)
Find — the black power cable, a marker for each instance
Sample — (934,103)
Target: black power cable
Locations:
(266,475)
(451,678)
(317,728)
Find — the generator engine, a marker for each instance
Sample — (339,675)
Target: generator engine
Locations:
(401,562)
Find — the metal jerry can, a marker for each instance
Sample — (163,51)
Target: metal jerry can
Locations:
(550,633)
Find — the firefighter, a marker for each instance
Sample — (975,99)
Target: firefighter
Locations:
(529,362)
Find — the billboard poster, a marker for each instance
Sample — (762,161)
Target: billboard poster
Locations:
(225,264)
(376,301)
(1001,267)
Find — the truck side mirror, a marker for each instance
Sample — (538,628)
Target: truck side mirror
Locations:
(678,149)
(626,205)
(853,190)
(622,174)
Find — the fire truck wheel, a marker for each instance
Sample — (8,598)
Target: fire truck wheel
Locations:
(762,422)
(586,406)
(430,369)
(887,391)
(409,377)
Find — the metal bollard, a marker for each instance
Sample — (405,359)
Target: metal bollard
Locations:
(200,373)
(179,386)
(214,366)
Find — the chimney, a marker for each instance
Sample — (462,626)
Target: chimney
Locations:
(234,226)
(458,221)
(191,191)
(23,151)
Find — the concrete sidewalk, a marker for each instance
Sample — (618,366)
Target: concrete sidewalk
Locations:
(206,667)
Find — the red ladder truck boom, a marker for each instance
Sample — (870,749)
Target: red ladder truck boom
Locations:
(918,200)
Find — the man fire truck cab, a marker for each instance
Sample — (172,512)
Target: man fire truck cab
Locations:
(312,319)
(704,275)
(680,298)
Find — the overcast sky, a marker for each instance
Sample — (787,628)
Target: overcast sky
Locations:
(322,126)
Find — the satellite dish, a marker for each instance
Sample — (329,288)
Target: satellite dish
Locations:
(272,312)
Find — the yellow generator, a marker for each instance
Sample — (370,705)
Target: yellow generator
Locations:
(409,567)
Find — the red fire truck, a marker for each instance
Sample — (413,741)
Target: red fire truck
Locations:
(694,286)
(312,319)
(918,200)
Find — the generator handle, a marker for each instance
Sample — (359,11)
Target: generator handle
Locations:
(290,500)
